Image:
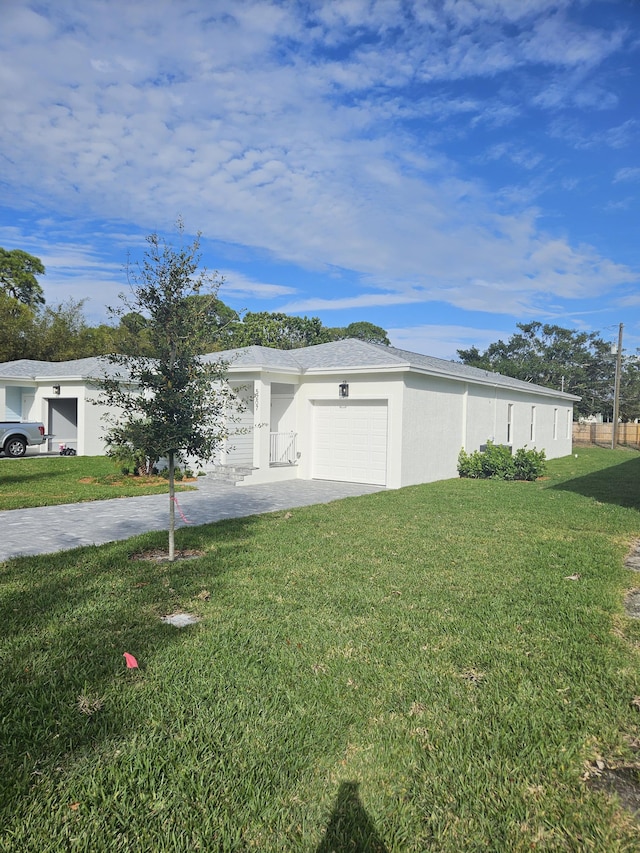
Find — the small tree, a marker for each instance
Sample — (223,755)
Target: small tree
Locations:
(172,403)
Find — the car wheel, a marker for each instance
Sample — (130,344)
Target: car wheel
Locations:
(15,447)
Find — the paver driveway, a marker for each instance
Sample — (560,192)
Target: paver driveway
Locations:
(43,530)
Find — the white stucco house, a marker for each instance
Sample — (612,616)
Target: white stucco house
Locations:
(346,410)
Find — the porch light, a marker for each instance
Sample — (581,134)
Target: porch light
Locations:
(56,389)
(343,389)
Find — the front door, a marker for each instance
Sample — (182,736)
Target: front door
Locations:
(27,405)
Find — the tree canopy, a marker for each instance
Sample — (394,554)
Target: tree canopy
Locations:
(278,330)
(16,322)
(577,362)
(18,271)
(363,331)
(283,331)
(38,331)
(60,333)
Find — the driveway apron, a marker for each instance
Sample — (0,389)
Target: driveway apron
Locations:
(43,530)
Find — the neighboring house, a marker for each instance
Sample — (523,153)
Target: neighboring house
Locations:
(56,393)
(346,410)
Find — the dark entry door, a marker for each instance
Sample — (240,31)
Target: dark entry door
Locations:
(63,422)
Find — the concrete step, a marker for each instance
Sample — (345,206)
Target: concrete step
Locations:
(228,473)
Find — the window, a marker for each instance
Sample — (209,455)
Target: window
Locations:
(532,433)
(555,424)
(510,423)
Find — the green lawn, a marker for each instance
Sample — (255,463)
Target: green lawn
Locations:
(51,480)
(405,671)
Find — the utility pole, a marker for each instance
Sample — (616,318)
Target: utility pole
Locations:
(616,390)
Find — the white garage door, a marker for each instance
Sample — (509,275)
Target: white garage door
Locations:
(350,441)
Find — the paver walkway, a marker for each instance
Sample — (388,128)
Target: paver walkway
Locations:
(43,530)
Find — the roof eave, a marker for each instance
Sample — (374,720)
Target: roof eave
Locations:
(489,380)
(262,368)
(371,368)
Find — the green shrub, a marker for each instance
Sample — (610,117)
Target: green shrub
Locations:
(498,463)
(126,447)
(130,461)
(530,464)
(470,465)
(178,473)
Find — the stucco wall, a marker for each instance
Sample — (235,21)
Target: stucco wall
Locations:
(441,416)
(429,418)
(91,425)
(433,424)
(361,387)
(488,418)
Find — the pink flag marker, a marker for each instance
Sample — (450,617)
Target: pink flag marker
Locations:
(132,663)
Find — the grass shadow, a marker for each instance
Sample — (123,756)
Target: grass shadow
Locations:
(618,484)
(350,827)
(29,475)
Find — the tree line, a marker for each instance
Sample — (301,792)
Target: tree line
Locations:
(34,330)
(578,362)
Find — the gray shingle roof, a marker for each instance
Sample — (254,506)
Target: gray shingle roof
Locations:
(79,368)
(335,356)
(359,355)
(257,357)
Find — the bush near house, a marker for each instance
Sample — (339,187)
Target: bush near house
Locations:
(530,464)
(498,463)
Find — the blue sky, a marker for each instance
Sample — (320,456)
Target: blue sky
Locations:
(444,169)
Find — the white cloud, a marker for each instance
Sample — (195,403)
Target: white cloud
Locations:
(444,341)
(556,41)
(616,137)
(365,300)
(629,173)
(237,285)
(468,13)
(524,157)
(245,124)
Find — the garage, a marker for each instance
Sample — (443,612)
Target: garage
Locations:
(350,441)
(63,422)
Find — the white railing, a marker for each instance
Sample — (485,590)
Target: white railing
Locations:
(283,448)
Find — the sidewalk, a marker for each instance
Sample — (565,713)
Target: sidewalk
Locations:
(57,528)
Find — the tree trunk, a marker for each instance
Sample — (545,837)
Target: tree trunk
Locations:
(172,507)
